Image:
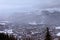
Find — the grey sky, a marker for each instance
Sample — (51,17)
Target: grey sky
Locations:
(7,6)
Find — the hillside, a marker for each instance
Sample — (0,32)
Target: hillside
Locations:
(44,17)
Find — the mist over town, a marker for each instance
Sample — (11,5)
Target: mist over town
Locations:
(29,19)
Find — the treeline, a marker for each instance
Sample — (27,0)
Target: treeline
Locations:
(4,36)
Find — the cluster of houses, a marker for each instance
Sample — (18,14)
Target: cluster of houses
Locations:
(28,34)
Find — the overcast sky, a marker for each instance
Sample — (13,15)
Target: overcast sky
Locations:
(10,6)
(27,4)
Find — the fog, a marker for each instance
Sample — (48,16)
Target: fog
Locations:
(27,5)
(9,7)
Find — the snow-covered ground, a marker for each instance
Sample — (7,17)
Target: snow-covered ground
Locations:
(34,32)
(2,32)
(33,23)
(57,27)
(9,31)
(2,23)
(58,34)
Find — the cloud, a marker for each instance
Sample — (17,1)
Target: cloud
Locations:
(51,4)
(25,5)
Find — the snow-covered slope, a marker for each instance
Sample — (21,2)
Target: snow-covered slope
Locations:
(44,17)
(51,17)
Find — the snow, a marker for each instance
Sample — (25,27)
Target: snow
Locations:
(3,23)
(8,31)
(33,23)
(57,27)
(2,32)
(58,34)
(34,32)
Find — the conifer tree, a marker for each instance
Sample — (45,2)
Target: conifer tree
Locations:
(6,37)
(48,35)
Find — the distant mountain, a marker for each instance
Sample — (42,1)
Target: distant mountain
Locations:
(51,17)
(45,17)
(25,18)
